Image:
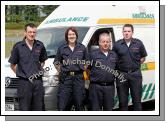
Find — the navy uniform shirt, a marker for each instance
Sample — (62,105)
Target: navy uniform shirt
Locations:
(28,61)
(65,54)
(129,57)
(103,66)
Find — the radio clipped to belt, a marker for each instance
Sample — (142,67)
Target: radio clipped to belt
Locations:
(86,73)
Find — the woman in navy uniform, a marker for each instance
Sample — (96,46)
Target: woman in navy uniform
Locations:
(27,59)
(68,64)
(131,54)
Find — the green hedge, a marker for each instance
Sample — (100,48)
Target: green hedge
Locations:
(11,25)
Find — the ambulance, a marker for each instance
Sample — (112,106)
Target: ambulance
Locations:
(89,20)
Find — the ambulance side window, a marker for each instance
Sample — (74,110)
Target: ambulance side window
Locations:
(93,43)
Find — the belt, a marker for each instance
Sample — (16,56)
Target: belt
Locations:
(21,78)
(38,78)
(129,71)
(103,83)
(73,73)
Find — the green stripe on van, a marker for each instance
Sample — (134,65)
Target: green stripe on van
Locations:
(151,95)
(146,95)
(149,87)
(148,92)
(153,88)
(116,100)
(144,87)
(144,67)
(129,98)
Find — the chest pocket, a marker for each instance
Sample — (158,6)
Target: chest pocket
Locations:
(112,62)
(79,55)
(66,55)
(135,50)
(24,56)
(122,51)
(99,61)
(36,54)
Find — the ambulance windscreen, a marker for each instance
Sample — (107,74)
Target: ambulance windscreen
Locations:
(54,37)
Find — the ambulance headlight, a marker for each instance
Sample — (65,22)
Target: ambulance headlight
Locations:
(50,81)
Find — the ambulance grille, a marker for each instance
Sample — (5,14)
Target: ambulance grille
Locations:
(14,83)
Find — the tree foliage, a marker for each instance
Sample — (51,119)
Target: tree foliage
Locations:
(27,13)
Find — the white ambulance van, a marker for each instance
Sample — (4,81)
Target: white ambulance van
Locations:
(89,20)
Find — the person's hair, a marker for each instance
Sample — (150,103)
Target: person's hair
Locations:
(129,25)
(30,25)
(103,32)
(72,29)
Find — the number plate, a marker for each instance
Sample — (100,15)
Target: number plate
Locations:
(9,107)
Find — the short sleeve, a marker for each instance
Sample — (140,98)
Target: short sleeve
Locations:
(43,55)
(14,58)
(143,51)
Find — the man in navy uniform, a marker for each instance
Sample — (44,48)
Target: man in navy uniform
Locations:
(102,89)
(131,54)
(68,64)
(27,60)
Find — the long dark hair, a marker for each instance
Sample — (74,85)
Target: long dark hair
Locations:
(72,29)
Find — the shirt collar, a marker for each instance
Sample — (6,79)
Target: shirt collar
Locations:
(109,52)
(66,45)
(35,42)
(123,41)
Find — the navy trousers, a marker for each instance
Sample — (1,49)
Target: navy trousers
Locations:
(101,97)
(134,83)
(31,95)
(71,89)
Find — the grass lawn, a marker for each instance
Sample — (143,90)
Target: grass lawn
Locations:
(8,48)
(17,26)
(12,34)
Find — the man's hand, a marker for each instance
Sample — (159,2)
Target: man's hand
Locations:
(13,67)
(42,64)
(57,68)
(142,60)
